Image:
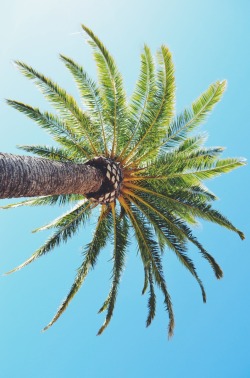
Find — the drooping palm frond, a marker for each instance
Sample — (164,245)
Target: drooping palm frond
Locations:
(150,254)
(91,253)
(171,234)
(120,241)
(151,299)
(66,225)
(155,164)
(51,200)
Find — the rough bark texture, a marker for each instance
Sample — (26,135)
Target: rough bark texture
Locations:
(26,176)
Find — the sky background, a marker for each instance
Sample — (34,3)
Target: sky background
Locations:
(209,40)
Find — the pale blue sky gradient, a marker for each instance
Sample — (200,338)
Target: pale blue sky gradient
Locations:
(209,41)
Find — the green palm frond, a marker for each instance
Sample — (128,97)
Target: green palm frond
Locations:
(191,144)
(67,225)
(161,111)
(146,279)
(91,253)
(191,118)
(182,162)
(202,193)
(120,241)
(52,153)
(157,163)
(182,203)
(90,95)
(111,90)
(142,99)
(143,95)
(60,130)
(171,233)
(151,299)
(60,200)
(68,218)
(150,255)
(65,104)
(166,85)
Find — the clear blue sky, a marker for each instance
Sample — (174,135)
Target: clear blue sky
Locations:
(209,41)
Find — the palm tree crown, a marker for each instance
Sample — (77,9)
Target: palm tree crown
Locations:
(154,166)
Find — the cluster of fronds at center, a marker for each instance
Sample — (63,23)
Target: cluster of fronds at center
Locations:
(163,164)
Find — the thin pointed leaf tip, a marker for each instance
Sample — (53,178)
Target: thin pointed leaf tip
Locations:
(154,168)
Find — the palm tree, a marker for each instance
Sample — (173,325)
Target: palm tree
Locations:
(152,169)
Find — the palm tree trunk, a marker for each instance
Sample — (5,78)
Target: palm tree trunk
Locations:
(26,176)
